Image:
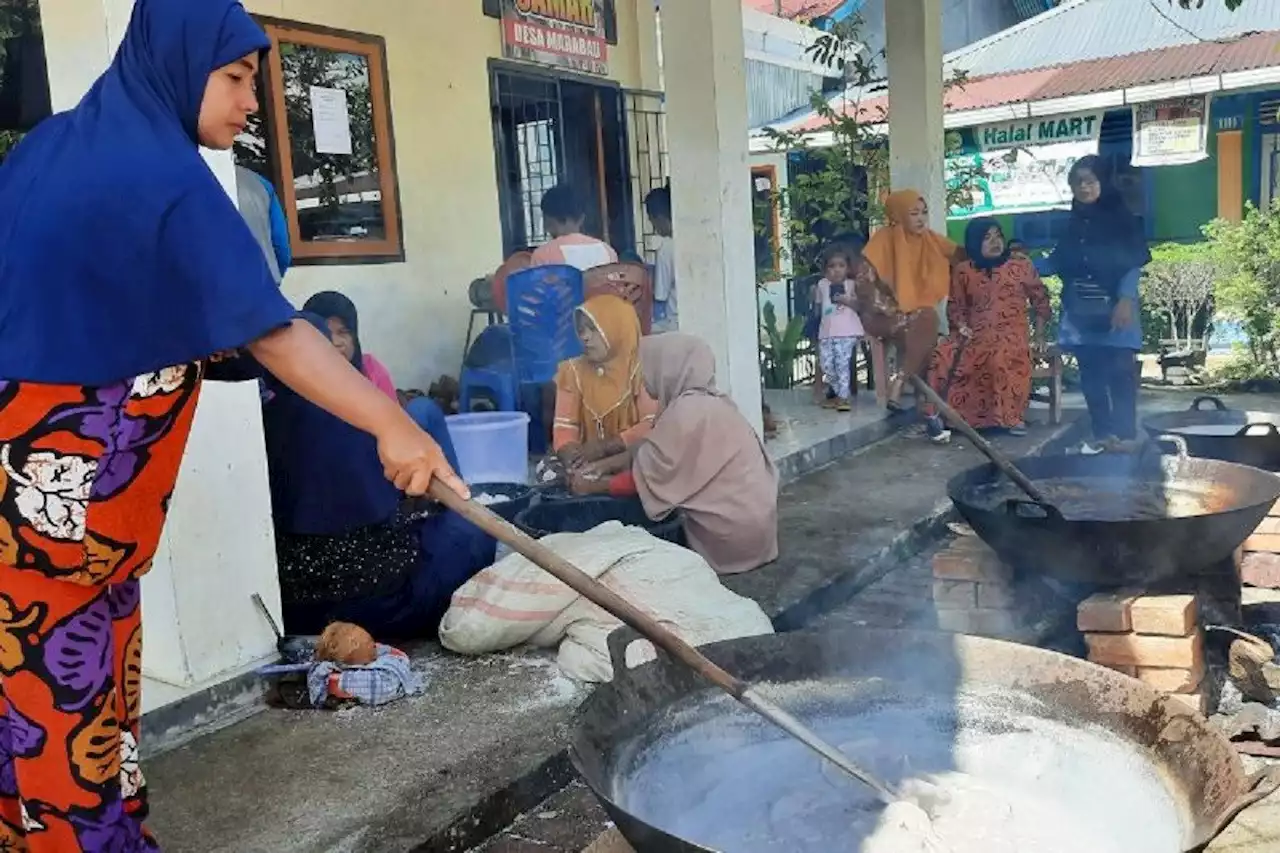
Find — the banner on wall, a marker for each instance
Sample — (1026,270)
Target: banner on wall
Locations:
(1003,177)
(1172,132)
(566,34)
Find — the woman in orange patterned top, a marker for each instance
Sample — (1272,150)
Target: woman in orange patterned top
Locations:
(602,407)
(115,295)
(984,366)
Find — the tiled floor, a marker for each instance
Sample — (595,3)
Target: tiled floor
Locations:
(802,424)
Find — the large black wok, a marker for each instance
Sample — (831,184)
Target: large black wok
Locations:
(1179,785)
(1232,435)
(1117,519)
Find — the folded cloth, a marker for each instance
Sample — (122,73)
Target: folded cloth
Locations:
(388,678)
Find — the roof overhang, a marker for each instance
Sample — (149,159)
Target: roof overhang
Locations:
(1233,81)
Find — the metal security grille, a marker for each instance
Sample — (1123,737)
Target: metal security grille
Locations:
(650,159)
(526,130)
(550,129)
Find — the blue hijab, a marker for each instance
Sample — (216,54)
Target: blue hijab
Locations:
(326,478)
(120,253)
(1104,240)
(974,233)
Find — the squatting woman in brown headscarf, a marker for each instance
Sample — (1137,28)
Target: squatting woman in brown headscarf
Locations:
(914,267)
(702,457)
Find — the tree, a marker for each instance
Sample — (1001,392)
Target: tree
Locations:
(835,189)
(1178,285)
(1249,290)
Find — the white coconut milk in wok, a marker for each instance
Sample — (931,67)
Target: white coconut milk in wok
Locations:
(1037,751)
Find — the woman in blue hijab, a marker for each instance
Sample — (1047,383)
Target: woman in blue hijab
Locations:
(124,267)
(1100,262)
(345,551)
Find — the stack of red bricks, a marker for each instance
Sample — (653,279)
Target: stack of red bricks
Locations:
(1260,565)
(973,591)
(1153,638)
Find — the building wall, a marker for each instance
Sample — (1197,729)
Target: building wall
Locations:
(1184,198)
(414,314)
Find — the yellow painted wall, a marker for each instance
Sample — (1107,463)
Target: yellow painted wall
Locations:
(413,315)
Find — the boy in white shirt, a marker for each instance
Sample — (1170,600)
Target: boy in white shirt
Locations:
(564,214)
(657,205)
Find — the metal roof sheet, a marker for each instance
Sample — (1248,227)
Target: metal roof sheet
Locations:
(1261,50)
(1082,30)
(802,10)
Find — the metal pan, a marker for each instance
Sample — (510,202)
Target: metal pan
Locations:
(1231,435)
(1180,777)
(1117,520)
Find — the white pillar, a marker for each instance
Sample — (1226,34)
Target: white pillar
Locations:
(916,133)
(702,50)
(218,547)
(916,143)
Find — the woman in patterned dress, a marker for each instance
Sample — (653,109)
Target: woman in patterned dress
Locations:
(124,267)
(987,357)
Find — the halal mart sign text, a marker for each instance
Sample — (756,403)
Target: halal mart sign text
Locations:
(1043,131)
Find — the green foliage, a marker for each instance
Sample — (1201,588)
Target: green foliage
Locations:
(781,348)
(1178,292)
(1249,288)
(842,194)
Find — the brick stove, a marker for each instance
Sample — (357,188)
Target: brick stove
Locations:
(1155,634)
(1156,639)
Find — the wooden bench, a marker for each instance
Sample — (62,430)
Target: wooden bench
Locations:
(1048,368)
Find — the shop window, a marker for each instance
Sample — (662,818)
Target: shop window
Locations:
(767,220)
(24,79)
(324,138)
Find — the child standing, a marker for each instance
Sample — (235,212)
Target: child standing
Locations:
(840,328)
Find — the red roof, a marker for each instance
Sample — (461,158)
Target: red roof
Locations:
(1261,50)
(796,10)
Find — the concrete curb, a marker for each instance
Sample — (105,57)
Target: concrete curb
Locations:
(795,465)
(499,809)
(925,531)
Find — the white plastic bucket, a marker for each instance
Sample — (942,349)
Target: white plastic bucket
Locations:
(493,447)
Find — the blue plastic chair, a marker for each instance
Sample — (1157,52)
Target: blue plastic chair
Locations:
(540,305)
(489,371)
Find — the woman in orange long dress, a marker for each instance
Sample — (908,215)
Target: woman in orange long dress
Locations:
(987,357)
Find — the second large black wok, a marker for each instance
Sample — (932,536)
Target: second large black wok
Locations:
(1116,520)
(1232,435)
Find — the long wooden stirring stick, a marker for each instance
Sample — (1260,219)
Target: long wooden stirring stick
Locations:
(605,598)
(1001,461)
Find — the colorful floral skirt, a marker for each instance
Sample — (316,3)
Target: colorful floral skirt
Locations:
(85,480)
(70,703)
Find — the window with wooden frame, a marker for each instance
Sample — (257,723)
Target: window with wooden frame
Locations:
(767,218)
(324,137)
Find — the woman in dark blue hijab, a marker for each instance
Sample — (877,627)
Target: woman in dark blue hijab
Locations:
(124,268)
(345,551)
(1100,262)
